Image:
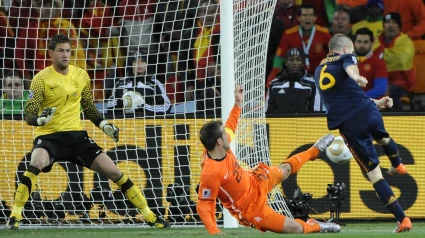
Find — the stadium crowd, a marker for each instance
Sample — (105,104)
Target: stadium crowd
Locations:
(168,50)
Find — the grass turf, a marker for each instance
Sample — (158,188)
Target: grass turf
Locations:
(371,229)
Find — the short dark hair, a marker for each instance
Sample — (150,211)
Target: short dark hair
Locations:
(364,31)
(13,73)
(343,10)
(210,133)
(306,6)
(58,39)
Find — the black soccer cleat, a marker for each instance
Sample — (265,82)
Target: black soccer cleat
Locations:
(12,224)
(159,223)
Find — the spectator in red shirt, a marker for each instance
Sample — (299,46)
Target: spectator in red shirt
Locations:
(311,38)
(370,65)
(286,12)
(137,19)
(31,51)
(21,13)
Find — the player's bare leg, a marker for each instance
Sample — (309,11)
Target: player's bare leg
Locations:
(39,160)
(104,165)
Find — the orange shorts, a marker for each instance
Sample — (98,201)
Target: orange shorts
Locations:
(258,213)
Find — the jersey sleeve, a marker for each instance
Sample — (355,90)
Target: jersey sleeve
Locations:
(90,110)
(207,195)
(232,122)
(349,60)
(35,99)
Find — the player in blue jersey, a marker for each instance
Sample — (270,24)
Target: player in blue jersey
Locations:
(358,119)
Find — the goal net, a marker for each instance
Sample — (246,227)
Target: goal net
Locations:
(165,51)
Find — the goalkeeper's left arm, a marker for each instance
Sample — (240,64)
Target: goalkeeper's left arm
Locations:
(91,112)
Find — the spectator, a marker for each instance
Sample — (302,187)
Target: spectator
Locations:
(374,20)
(199,58)
(137,19)
(293,90)
(286,12)
(398,51)
(21,13)
(31,51)
(322,8)
(341,23)
(100,36)
(356,8)
(413,15)
(370,66)
(176,17)
(148,87)
(14,97)
(6,35)
(313,39)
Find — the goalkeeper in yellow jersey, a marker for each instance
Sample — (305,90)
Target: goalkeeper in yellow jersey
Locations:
(56,94)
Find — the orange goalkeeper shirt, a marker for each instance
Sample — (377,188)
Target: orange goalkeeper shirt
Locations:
(223,179)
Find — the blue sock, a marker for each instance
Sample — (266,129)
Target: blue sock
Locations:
(387,198)
(391,150)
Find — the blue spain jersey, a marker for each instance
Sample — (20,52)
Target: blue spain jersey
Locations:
(341,95)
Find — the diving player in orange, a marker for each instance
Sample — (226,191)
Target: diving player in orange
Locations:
(242,192)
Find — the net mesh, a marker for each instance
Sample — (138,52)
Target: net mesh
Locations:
(169,51)
(252,19)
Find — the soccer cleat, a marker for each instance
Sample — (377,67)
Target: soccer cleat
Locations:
(405,225)
(159,223)
(12,224)
(324,142)
(152,220)
(326,227)
(400,169)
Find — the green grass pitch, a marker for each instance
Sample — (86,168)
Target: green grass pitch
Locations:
(370,229)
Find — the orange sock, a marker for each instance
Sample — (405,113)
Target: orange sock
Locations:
(297,161)
(308,228)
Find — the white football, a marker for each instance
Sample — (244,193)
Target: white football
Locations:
(133,100)
(338,152)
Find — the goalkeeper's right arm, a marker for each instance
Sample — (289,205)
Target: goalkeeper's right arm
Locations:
(35,98)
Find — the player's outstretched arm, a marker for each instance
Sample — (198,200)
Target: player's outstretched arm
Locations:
(207,196)
(383,103)
(354,73)
(232,120)
(91,112)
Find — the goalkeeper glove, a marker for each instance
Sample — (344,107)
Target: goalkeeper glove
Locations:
(110,130)
(46,116)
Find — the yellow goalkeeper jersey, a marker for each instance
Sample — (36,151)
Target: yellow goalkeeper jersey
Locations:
(65,92)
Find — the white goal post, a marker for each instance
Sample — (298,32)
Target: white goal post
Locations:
(195,54)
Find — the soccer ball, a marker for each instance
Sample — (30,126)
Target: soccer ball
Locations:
(338,152)
(133,100)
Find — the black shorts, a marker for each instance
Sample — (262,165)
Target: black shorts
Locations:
(72,146)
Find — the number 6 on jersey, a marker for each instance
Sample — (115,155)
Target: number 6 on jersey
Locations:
(325,75)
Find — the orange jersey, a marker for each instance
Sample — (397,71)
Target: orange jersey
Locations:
(236,188)
(223,179)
